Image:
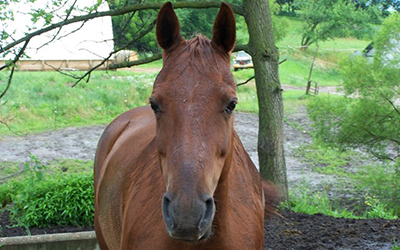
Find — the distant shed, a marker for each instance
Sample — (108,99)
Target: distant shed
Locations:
(79,46)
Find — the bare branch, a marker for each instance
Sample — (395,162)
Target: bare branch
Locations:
(20,53)
(239,47)
(130,8)
(251,78)
(13,68)
(243,83)
(59,30)
(153,58)
(393,105)
(8,83)
(142,34)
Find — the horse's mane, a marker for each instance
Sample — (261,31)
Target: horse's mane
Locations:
(198,52)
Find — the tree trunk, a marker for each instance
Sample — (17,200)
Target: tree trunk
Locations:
(266,61)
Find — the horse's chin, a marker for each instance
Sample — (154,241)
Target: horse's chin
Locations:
(191,238)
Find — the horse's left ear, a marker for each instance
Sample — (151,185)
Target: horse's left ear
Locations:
(167,27)
(224,30)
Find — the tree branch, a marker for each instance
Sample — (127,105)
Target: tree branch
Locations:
(59,30)
(13,68)
(130,8)
(13,62)
(243,83)
(393,105)
(153,58)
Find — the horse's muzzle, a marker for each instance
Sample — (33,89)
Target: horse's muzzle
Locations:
(188,219)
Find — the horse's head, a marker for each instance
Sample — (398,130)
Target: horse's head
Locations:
(193,99)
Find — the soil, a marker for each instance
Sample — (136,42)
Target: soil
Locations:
(290,231)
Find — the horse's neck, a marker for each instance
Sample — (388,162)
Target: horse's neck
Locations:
(222,193)
(241,186)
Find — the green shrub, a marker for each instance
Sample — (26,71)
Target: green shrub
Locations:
(382,183)
(8,190)
(60,199)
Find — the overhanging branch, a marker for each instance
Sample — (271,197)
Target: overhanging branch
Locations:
(136,62)
(134,7)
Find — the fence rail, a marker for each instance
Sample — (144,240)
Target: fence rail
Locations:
(51,65)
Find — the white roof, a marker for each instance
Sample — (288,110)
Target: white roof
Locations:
(94,40)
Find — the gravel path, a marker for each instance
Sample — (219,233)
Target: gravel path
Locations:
(81,143)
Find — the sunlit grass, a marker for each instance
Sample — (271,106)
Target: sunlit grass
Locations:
(39,101)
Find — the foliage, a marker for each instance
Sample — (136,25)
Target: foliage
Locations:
(382,183)
(384,6)
(387,42)
(286,6)
(370,120)
(280,26)
(304,200)
(376,209)
(325,19)
(58,199)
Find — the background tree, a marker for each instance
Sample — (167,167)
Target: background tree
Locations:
(269,92)
(325,19)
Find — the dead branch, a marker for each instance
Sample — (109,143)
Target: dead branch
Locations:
(59,29)
(251,78)
(153,58)
(130,8)
(243,83)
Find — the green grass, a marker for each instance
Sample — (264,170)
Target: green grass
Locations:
(303,200)
(39,101)
(376,187)
(328,160)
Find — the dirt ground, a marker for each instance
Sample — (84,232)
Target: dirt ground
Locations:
(293,231)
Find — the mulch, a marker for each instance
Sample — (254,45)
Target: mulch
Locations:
(291,231)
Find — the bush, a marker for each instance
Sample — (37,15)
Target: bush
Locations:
(55,200)
(382,183)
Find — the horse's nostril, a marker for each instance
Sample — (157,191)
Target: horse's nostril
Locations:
(166,210)
(208,214)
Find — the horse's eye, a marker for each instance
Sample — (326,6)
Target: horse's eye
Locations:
(231,106)
(154,106)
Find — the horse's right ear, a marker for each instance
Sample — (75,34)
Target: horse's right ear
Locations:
(168,30)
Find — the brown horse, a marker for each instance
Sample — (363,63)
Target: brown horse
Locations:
(175,175)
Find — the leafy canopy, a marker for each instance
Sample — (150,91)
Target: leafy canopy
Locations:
(326,19)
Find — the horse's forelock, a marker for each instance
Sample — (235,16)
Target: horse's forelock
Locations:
(198,52)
